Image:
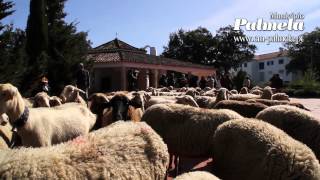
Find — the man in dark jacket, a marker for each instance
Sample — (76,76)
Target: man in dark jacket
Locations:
(83,79)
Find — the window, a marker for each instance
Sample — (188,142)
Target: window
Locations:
(268,63)
(261,65)
(245,65)
(271,62)
(281,71)
(280,61)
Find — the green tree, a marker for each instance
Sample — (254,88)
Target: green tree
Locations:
(230,53)
(5,10)
(37,34)
(306,54)
(12,44)
(195,46)
(200,46)
(67,47)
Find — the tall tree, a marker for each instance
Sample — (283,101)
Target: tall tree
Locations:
(12,44)
(230,53)
(36,45)
(37,33)
(306,54)
(195,46)
(5,10)
(67,47)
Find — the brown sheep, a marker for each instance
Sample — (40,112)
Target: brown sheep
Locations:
(120,107)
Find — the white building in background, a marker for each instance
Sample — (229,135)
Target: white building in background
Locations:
(264,66)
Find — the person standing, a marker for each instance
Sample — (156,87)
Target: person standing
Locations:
(183,81)
(83,80)
(210,81)
(246,82)
(276,82)
(203,82)
(163,81)
(171,80)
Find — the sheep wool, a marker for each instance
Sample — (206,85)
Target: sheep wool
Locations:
(197,175)
(298,123)
(246,109)
(251,149)
(185,129)
(124,150)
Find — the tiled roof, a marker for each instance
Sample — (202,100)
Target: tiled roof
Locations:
(117,44)
(117,51)
(271,55)
(105,57)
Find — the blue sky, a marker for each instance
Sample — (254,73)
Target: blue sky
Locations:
(145,22)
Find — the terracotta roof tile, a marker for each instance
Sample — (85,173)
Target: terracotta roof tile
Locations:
(270,55)
(105,57)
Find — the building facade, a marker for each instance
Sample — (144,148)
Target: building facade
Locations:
(264,66)
(115,59)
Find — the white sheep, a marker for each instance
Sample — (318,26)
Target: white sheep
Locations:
(280,96)
(197,175)
(185,129)
(5,132)
(44,126)
(71,94)
(298,123)
(253,149)
(123,150)
(186,100)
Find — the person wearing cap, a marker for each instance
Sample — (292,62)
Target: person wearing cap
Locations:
(83,79)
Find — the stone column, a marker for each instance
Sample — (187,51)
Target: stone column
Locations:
(155,78)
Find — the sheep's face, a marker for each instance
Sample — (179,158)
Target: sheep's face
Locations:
(120,104)
(41,100)
(223,94)
(7,94)
(70,93)
(244,90)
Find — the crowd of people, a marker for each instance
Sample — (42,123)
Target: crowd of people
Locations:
(82,79)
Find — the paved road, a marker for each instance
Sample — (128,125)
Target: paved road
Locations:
(310,103)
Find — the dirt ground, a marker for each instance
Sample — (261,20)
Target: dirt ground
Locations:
(190,164)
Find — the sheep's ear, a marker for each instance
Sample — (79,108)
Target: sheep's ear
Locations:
(9,93)
(136,104)
(147,96)
(80,90)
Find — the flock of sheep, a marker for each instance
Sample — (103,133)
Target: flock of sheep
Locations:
(253,134)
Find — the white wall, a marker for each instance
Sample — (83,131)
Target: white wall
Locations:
(271,66)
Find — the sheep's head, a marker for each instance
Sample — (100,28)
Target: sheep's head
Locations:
(222,94)
(188,100)
(267,93)
(7,93)
(244,90)
(55,101)
(4,119)
(70,93)
(120,104)
(140,99)
(97,100)
(41,100)
(233,91)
